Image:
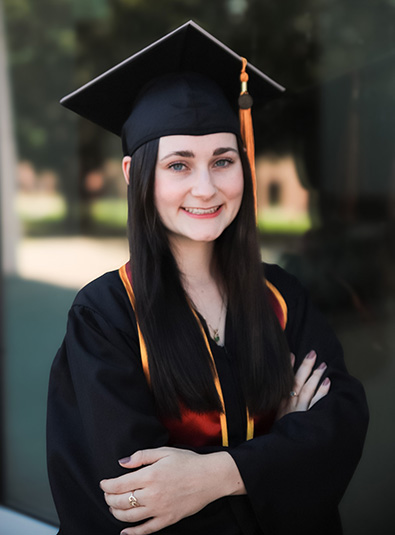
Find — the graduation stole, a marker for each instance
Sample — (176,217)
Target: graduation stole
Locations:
(202,429)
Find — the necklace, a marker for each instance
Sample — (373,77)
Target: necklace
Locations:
(215,332)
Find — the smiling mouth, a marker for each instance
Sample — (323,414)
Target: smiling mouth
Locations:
(202,211)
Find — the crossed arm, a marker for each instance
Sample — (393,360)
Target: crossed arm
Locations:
(170,484)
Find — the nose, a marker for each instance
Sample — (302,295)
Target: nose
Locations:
(204,186)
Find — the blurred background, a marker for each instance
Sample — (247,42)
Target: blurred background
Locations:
(326,175)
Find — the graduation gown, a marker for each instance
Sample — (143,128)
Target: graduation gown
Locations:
(100,409)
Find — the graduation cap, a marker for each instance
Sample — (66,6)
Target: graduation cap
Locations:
(186,83)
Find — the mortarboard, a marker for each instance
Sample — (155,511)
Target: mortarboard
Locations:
(187,83)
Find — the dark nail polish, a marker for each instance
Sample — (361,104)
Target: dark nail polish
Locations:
(124,460)
(322,366)
(311,355)
(326,381)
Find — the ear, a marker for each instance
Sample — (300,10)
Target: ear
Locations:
(126,168)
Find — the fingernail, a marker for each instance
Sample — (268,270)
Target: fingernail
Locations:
(311,355)
(322,366)
(326,381)
(124,461)
(124,533)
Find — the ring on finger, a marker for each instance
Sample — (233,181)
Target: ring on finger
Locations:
(293,394)
(133,502)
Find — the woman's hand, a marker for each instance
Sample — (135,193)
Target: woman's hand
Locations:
(305,393)
(169,484)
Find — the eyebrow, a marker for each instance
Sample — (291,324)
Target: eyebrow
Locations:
(222,150)
(182,153)
(190,154)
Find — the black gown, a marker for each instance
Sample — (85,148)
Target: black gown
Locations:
(100,409)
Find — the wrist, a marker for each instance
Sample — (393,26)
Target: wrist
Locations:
(225,474)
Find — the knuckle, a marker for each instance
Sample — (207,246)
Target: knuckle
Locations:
(305,397)
(128,516)
(307,364)
(172,519)
(117,514)
(138,456)
(118,487)
(308,389)
(298,385)
(119,502)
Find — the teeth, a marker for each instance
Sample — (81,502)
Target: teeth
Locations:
(200,211)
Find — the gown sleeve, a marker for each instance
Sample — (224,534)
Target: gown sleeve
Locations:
(99,410)
(296,475)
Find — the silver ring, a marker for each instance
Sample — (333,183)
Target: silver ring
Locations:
(293,394)
(133,502)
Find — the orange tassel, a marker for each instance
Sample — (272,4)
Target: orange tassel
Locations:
(246,128)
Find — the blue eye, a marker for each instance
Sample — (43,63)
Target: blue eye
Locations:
(224,162)
(177,166)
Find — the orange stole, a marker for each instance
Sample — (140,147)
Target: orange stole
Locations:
(206,429)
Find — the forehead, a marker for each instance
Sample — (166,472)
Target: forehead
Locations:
(207,143)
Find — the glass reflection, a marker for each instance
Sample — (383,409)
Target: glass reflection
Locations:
(326,175)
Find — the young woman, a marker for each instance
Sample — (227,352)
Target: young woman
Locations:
(173,405)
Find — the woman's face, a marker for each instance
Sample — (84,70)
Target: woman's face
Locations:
(198,185)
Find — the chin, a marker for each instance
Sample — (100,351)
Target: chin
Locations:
(206,238)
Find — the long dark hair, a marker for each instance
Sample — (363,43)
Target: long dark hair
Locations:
(180,366)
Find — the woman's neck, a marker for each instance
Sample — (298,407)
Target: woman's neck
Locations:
(194,260)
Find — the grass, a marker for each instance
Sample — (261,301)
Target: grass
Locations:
(275,221)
